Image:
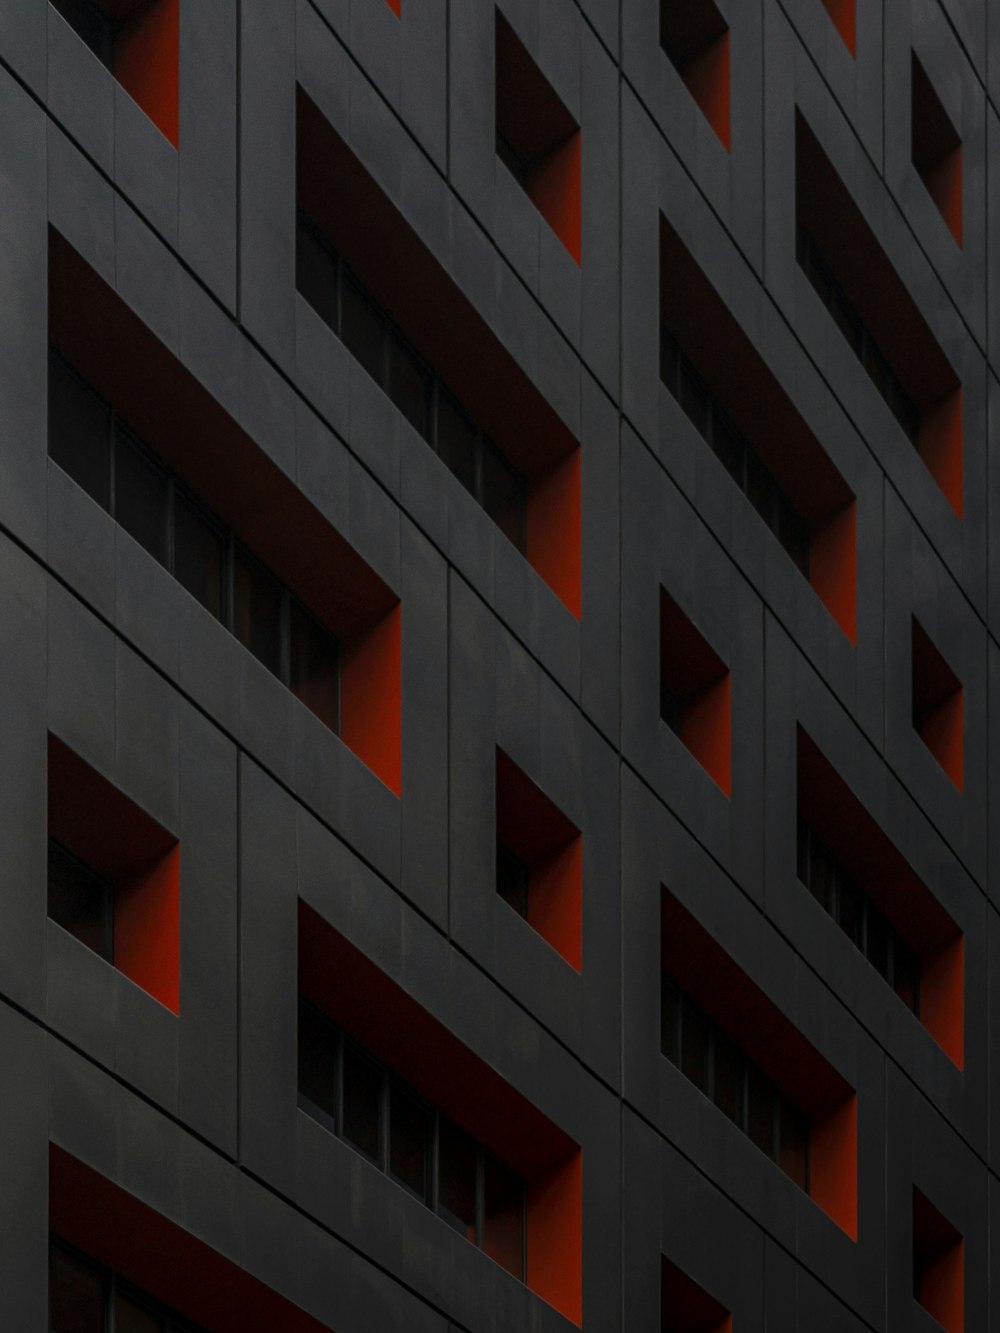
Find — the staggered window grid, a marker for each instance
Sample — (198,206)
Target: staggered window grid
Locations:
(737,456)
(704,1054)
(851,325)
(331,288)
(359,1099)
(87,1297)
(867,929)
(100,451)
(81,901)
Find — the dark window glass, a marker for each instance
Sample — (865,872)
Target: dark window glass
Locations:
(141,497)
(846,319)
(317,1066)
(821,877)
(760,1110)
(728,448)
(760,490)
(316,273)
(133,1318)
(512,881)
(362,1104)
(76,1295)
(457,1180)
(362,328)
(503,1217)
(694,398)
(694,1047)
(79,431)
(669,362)
(727,1091)
(905,974)
(670,1019)
(503,495)
(877,943)
(314,676)
(199,554)
(793,535)
(80,901)
(456,439)
(409,1140)
(91,25)
(257,611)
(517,167)
(793,1139)
(670,707)
(850,908)
(409,384)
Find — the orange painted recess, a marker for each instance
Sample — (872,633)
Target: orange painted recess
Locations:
(427,1055)
(695,36)
(844,16)
(537,138)
(147,62)
(534,831)
(110,834)
(695,693)
(938,704)
(396,6)
(695,961)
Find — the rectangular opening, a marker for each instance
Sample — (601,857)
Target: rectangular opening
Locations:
(139,42)
(858,876)
(113,876)
(938,704)
(118,1266)
(744,1054)
(695,693)
(539,866)
(537,139)
(500,1158)
(686,1307)
(935,148)
(731,397)
(367,274)
(136,431)
(695,36)
(873,309)
(938,1265)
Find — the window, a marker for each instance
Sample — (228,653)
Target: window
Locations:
(935,148)
(938,704)
(705,1055)
(358,1098)
(696,38)
(695,693)
(113,876)
(686,1307)
(878,900)
(537,139)
(938,1265)
(539,861)
(86,1297)
(859,919)
(138,41)
(335,294)
(844,17)
(875,311)
(100,451)
(718,377)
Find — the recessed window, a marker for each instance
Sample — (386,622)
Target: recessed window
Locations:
(696,38)
(938,704)
(409,1139)
(695,693)
(537,139)
(113,876)
(139,42)
(706,1056)
(936,148)
(87,1297)
(938,1265)
(844,17)
(100,451)
(686,1307)
(539,861)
